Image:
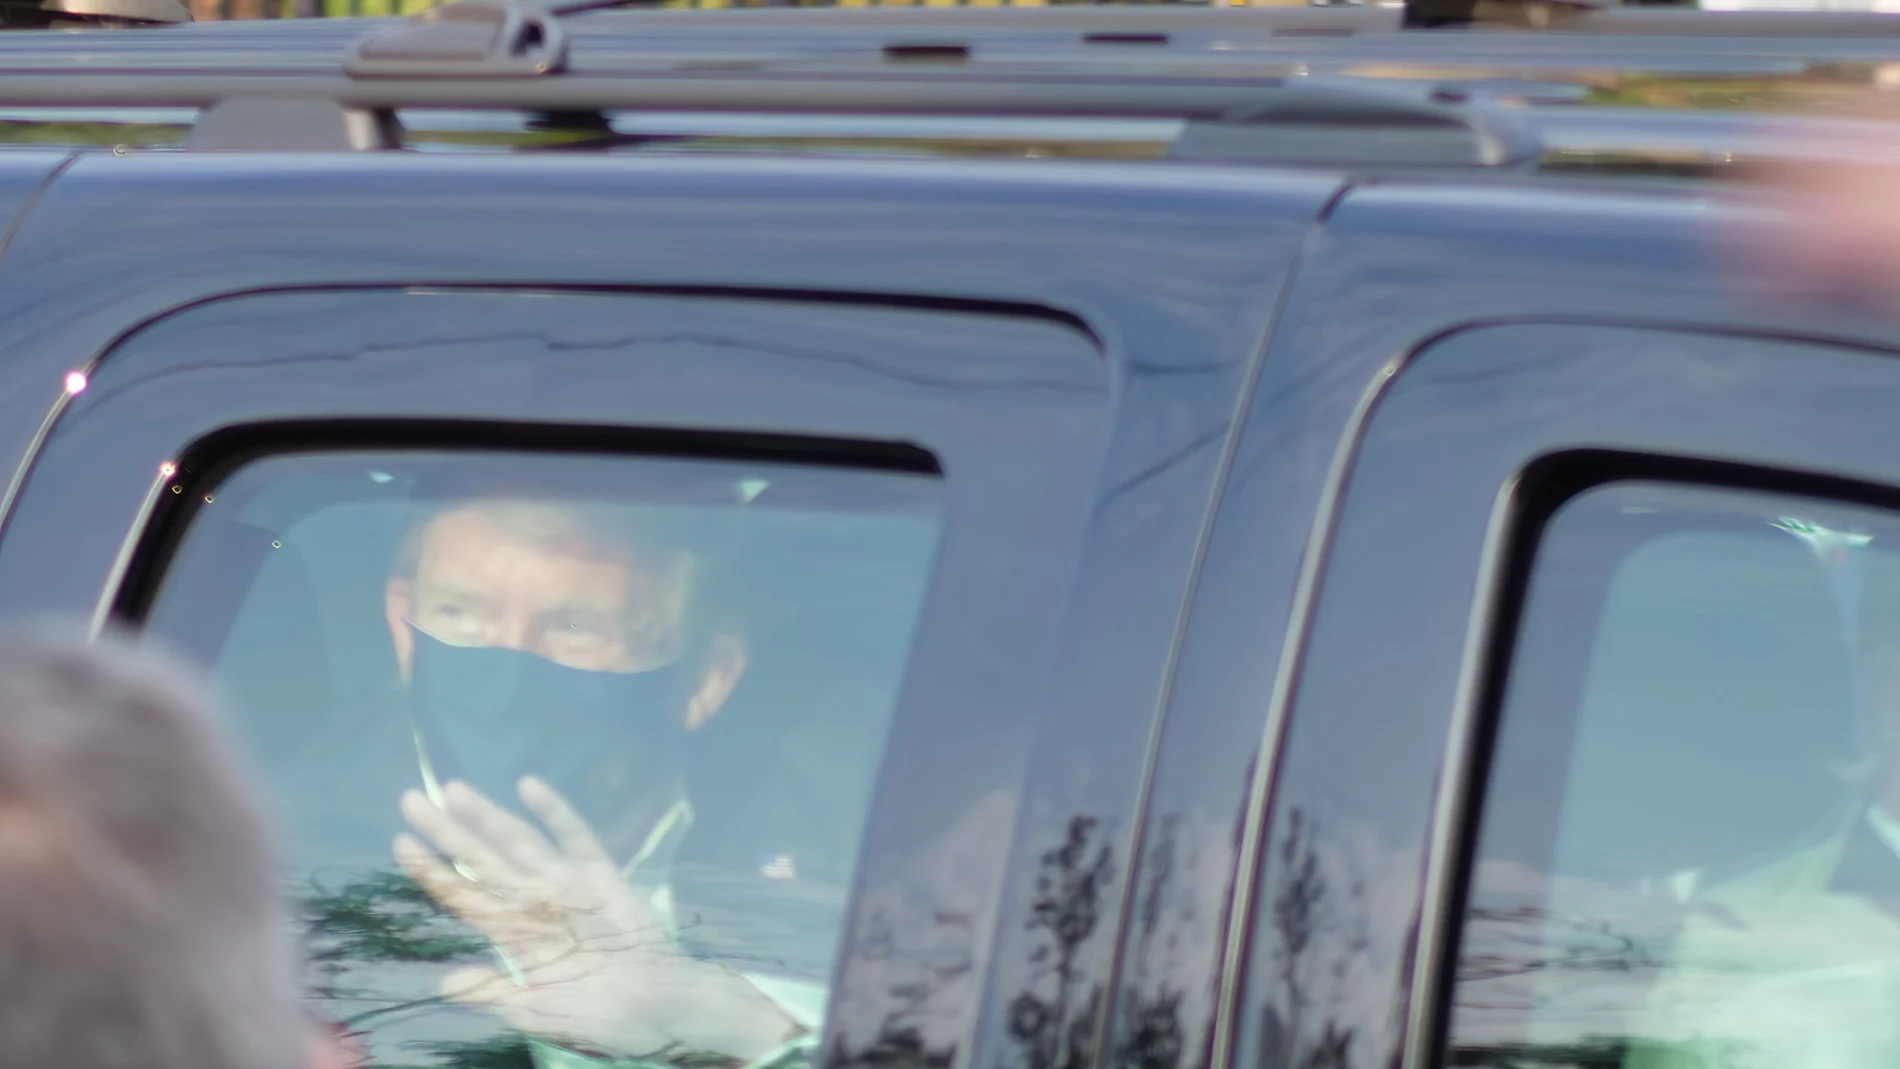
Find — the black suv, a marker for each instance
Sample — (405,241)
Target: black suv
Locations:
(1151,538)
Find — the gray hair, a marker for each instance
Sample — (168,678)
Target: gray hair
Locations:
(139,922)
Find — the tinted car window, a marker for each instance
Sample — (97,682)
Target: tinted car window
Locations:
(1689,848)
(570,754)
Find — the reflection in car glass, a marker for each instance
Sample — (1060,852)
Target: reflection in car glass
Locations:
(570,754)
(1690,846)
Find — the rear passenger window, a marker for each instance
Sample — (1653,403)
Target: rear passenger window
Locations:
(570,753)
(1689,842)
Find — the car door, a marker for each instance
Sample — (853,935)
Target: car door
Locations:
(963,491)
(1588,739)
(278,507)
(255,510)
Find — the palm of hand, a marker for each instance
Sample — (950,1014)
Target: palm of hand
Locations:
(593,965)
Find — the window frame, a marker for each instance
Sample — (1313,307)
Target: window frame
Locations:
(209,461)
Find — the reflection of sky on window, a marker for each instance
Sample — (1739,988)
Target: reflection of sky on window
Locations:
(1720,660)
(1686,687)
(1717,693)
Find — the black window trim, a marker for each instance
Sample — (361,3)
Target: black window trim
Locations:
(166,517)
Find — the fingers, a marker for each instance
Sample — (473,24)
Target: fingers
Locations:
(577,841)
(524,847)
(533,931)
(443,884)
(454,838)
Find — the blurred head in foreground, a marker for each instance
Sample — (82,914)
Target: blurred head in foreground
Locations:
(139,924)
(1834,236)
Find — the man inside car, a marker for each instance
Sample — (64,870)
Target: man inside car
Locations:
(537,765)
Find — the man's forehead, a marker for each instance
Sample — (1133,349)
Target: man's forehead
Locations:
(514,522)
(587,532)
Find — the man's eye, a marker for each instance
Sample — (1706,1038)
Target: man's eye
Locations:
(455,620)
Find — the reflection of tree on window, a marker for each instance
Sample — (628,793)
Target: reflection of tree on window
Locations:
(1149,1028)
(1314,939)
(384,917)
(1052,1022)
(1516,957)
(1045,1019)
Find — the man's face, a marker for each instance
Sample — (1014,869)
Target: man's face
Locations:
(487,578)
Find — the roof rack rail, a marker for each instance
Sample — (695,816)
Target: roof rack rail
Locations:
(474,38)
(1284,122)
(510,54)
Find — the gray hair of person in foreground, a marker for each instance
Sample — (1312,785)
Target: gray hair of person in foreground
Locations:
(139,924)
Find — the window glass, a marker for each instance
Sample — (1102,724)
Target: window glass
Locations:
(1689,846)
(570,755)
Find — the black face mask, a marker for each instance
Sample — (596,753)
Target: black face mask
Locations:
(490,716)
